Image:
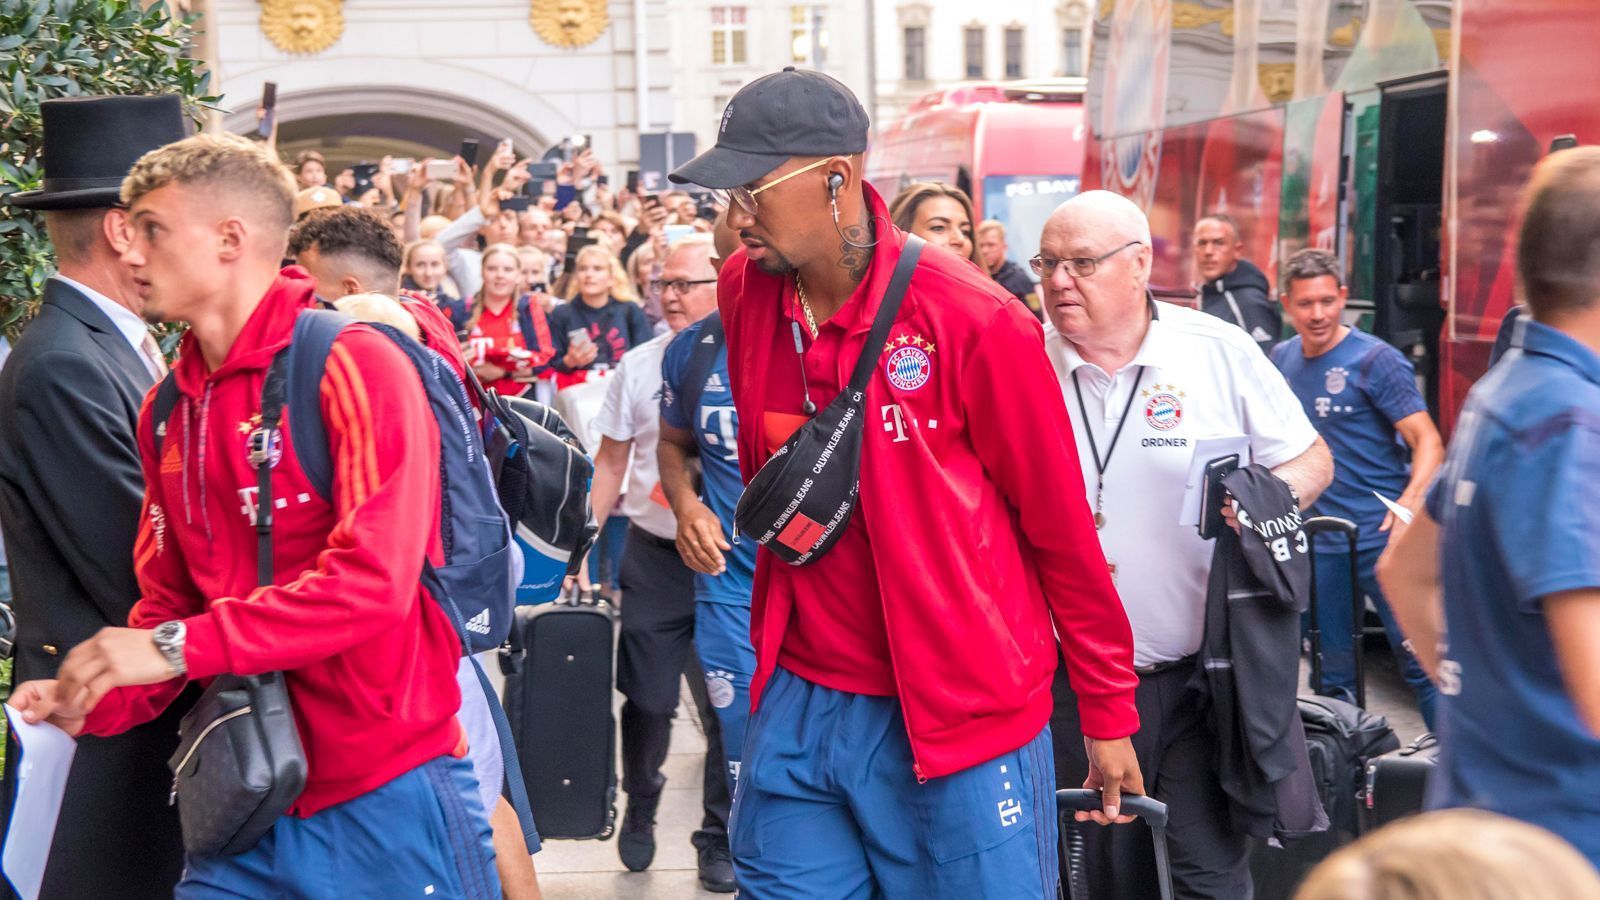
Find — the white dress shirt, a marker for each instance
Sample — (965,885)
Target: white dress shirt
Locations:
(129,325)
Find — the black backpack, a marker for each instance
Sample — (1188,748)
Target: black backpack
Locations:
(1340,738)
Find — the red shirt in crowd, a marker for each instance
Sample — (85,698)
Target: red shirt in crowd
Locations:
(370,659)
(498,339)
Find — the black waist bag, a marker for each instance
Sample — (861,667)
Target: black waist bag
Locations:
(239,763)
(798,504)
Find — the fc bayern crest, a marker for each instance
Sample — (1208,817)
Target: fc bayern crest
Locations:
(909,368)
(1163,412)
(1335,379)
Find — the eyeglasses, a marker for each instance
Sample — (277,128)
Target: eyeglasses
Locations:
(746,198)
(1078,266)
(680,285)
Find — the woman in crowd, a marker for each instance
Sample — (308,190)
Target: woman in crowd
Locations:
(602,321)
(939,214)
(609,228)
(508,338)
(424,269)
(310,169)
(535,268)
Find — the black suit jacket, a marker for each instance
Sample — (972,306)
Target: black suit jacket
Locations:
(70,498)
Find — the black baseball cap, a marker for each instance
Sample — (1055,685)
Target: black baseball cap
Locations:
(796,112)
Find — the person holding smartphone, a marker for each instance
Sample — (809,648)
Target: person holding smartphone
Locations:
(603,320)
(508,338)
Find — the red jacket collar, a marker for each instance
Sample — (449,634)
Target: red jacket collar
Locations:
(265,333)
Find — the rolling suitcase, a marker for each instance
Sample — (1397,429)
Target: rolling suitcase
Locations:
(1397,782)
(558,665)
(1075,880)
(1340,738)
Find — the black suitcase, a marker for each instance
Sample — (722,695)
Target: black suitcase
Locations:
(1340,738)
(559,676)
(1397,782)
(1075,880)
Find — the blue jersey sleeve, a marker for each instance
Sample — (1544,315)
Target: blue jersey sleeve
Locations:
(1391,382)
(674,362)
(1547,523)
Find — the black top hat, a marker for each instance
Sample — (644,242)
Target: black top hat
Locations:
(90,143)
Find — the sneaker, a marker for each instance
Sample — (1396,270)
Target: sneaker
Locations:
(716,867)
(636,843)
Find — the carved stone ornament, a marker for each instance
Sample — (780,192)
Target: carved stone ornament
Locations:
(302,26)
(569,23)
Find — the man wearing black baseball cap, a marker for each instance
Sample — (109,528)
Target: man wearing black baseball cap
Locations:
(907,600)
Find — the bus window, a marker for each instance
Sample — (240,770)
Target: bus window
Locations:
(1022,203)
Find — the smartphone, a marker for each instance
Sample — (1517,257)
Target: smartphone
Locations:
(578,337)
(1211,494)
(650,200)
(269,102)
(442,168)
(517,203)
(603,180)
(542,171)
(469,151)
(675,233)
(633,181)
(401,166)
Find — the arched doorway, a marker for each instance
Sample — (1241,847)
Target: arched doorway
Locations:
(363,123)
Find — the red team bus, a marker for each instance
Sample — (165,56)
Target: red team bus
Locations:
(1396,133)
(1015,148)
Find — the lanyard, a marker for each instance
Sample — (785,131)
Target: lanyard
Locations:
(1088,429)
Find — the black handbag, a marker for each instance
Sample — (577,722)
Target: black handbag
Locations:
(799,503)
(239,763)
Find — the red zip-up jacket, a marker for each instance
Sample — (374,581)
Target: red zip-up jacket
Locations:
(973,500)
(370,658)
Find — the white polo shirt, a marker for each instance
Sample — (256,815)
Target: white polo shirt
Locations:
(1202,378)
(632,412)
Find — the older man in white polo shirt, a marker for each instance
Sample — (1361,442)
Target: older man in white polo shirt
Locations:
(1144,382)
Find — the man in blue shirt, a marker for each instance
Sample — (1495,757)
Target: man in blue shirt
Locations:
(698,418)
(1511,534)
(1360,393)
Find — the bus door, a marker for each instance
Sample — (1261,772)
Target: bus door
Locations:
(1408,209)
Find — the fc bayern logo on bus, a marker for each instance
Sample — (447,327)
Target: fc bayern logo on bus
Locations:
(908,368)
(1163,412)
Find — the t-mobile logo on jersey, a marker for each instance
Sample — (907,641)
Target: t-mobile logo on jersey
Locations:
(1010,812)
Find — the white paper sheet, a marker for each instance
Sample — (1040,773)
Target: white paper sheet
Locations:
(1205,450)
(1400,512)
(47,753)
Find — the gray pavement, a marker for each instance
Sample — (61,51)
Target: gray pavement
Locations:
(590,870)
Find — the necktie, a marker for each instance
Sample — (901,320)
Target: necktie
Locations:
(153,359)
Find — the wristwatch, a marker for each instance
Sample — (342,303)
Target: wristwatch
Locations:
(169,640)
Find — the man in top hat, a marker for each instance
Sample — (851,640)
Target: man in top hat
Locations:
(899,743)
(70,488)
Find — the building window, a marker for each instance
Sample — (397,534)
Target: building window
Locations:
(1072,51)
(728,36)
(974,52)
(808,35)
(1013,52)
(916,54)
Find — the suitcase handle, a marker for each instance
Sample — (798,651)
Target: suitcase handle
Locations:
(1149,809)
(1154,813)
(1358,608)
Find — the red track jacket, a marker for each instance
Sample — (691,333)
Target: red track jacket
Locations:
(371,659)
(973,499)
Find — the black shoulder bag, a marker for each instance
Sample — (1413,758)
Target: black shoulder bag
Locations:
(797,506)
(239,763)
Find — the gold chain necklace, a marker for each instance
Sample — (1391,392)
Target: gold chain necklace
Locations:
(805,306)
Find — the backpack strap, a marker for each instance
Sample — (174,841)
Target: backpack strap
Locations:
(708,346)
(262,442)
(315,330)
(161,408)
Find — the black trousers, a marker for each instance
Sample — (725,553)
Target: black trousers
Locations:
(1177,758)
(655,651)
